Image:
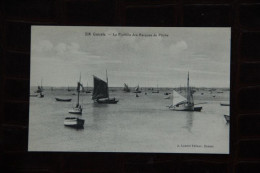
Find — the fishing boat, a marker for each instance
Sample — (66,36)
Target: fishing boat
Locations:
(181,103)
(100,93)
(87,90)
(39,89)
(74,122)
(126,88)
(77,109)
(227,117)
(62,100)
(224,104)
(137,89)
(41,95)
(156,91)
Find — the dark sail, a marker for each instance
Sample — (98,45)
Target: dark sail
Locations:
(100,89)
(126,89)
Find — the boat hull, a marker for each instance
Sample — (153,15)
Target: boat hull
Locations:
(76,111)
(74,122)
(62,100)
(224,104)
(137,91)
(194,109)
(107,101)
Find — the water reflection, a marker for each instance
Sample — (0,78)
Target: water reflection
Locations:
(189,120)
(99,114)
(75,127)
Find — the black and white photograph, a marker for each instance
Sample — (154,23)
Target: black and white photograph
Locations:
(130,89)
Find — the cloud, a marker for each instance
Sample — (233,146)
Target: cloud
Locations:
(178,47)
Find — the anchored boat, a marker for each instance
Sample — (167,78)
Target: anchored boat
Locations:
(137,89)
(78,108)
(62,100)
(181,103)
(101,92)
(74,122)
(126,88)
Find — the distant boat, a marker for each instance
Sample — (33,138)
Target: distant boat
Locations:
(101,92)
(41,95)
(219,92)
(224,104)
(137,89)
(126,88)
(62,100)
(39,89)
(87,90)
(181,103)
(227,117)
(69,89)
(77,109)
(33,95)
(156,91)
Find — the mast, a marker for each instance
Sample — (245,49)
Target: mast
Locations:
(107,86)
(188,90)
(79,88)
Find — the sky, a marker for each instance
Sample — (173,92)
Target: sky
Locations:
(153,55)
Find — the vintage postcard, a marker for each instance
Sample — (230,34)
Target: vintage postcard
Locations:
(130,89)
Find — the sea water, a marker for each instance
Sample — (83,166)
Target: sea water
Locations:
(134,124)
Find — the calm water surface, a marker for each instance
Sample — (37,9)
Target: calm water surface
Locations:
(134,124)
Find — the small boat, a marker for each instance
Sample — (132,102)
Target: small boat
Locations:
(41,95)
(69,89)
(137,89)
(87,90)
(101,92)
(77,109)
(126,88)
(62,100)
(39,89)
(180,103)
(74,122)
(224,104)
(156,91)
(33,95)
(227,117)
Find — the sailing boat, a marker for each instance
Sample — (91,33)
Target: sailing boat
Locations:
(137,90)
(39,89)
(227,117)
(87,91)
(101,91)
(77,109)
(181,103)
(75,121)
(126,89)
(157,90)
